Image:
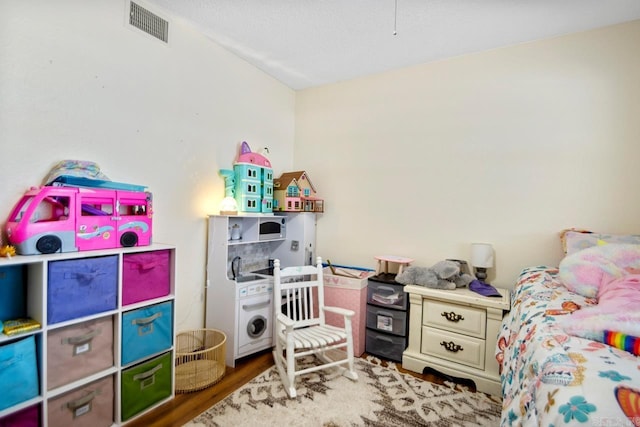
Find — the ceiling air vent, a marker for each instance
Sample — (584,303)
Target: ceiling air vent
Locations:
(148,22)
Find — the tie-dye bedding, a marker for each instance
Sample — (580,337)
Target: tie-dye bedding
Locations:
(550,378)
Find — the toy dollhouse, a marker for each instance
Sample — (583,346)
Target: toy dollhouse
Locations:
(251,181)
(294,192)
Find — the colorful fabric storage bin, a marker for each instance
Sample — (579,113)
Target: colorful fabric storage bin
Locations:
(146,384)
(81,287)
(79,350)
(18,372)
(146,331)
(88,406)
(145,275)
(27,417)
(12,292)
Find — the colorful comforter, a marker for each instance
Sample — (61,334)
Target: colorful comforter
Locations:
(550,378)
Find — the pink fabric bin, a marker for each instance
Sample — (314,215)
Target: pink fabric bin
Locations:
(79,350)
(145,275)
(27,417)
(88,406)
(349,293)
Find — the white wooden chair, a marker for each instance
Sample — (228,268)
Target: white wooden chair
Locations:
(300,328)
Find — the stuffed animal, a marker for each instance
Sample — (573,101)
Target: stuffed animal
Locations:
(449,271)
(442,275)
(610,273)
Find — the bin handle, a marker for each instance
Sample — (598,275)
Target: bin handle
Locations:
(84,278)
(82,338)
(146,320)
(144,266)
(149,373)
(75,404)
(386,288)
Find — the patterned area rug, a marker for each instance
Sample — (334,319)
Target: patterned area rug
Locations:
(382,396)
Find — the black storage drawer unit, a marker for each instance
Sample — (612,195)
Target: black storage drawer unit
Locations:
(387,326)
(384,320)
(385,345)
(384,291)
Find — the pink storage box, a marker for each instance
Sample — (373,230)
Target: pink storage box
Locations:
(79,350)
(145,275)
(88,406)
(350,293)
(27,417)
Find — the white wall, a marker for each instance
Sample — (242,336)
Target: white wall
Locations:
(77,83)
(507,146)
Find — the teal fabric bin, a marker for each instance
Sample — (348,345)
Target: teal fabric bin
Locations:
(146,331)
(81,287)
(145,384)
(18,372)
(12,292)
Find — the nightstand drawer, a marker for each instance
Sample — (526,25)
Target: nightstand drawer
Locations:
(455,318)
(453,347)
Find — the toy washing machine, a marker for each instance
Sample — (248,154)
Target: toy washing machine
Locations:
(254,304)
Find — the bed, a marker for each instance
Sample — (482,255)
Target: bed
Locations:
(553,378)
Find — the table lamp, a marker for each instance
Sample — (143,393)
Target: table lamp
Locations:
(481,259)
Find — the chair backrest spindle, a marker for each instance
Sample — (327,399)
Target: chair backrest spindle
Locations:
(298,293)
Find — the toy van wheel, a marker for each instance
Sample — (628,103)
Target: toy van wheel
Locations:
(129,239)
(48,244)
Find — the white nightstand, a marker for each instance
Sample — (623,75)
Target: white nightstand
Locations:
(455,332)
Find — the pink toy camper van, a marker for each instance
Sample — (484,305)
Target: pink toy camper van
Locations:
(67,219)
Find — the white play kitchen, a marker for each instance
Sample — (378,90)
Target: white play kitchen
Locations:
(239,287)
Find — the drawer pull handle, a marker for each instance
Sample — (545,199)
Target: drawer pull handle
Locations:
(451,346)
(452,317)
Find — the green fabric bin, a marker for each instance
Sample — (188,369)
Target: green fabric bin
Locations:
(146,384)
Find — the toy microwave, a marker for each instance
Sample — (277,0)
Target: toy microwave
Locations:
(66,219)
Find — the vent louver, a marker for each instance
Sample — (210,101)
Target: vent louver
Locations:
(148,22)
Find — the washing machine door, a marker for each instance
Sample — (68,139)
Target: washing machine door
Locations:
(256,326)
(254,329)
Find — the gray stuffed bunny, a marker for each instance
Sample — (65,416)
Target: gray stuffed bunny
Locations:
(442,275)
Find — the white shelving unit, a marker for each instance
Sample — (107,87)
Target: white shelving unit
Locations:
(36,279)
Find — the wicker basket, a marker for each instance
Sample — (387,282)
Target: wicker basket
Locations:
(199,359)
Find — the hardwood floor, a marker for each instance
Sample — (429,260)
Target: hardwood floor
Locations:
(186,406)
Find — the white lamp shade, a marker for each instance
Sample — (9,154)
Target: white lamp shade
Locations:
(482,255)
(228,206)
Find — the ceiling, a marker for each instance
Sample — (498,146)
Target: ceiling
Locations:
(307,43)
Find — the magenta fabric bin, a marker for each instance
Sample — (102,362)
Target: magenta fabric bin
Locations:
(81,287)
(145,275)
(79,350)
(27,417)
(88,406)
(146,331)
